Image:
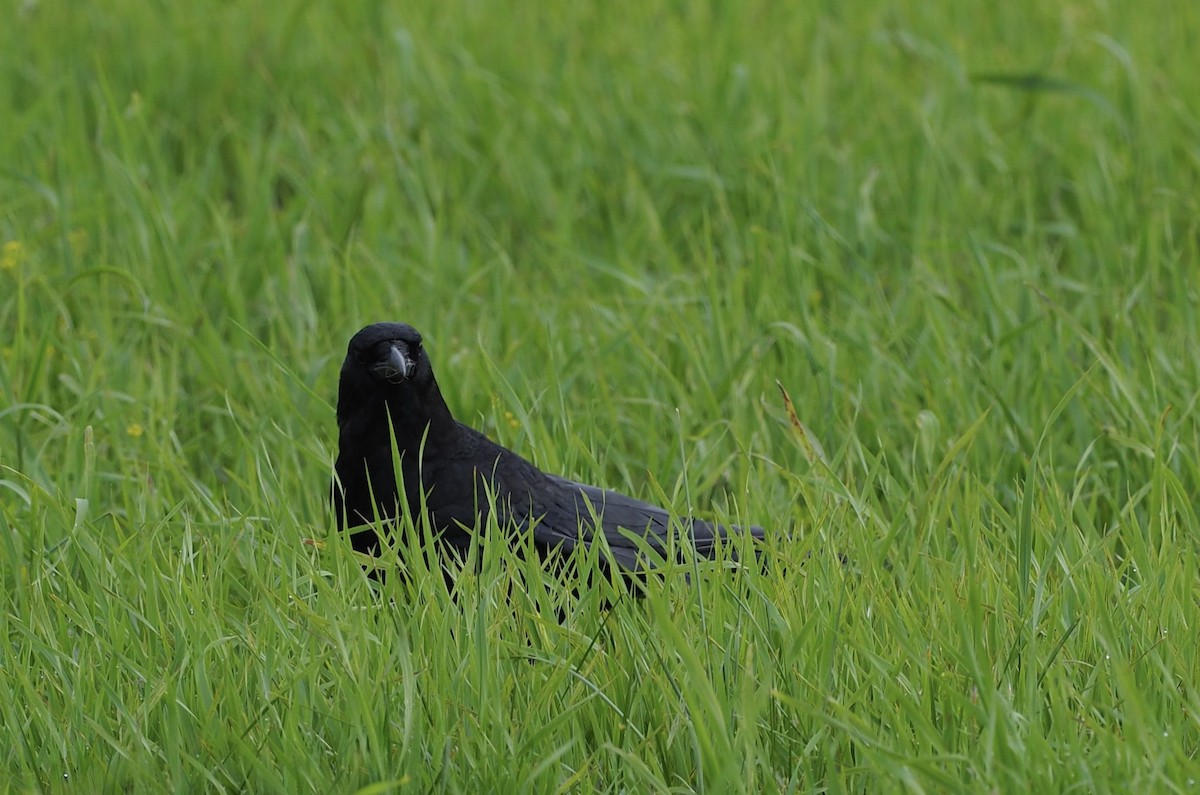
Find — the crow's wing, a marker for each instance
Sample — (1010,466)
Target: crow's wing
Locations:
(571,512)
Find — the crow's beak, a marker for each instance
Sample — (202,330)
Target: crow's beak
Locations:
(395,368)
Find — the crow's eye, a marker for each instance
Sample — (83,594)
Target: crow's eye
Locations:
(360,356)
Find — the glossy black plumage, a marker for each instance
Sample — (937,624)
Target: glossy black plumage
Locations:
(387,385)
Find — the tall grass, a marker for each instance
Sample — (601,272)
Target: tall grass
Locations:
(963,240)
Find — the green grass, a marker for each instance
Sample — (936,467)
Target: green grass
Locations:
(963,238)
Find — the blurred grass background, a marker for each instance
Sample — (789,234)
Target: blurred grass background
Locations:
(963,239)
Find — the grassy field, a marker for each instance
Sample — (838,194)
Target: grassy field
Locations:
(964,238)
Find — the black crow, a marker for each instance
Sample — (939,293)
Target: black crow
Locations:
(387,387)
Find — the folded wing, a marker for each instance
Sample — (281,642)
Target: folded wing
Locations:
(572,513)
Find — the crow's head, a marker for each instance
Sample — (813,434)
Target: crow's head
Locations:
(388,352)
(387,375)
(386,355)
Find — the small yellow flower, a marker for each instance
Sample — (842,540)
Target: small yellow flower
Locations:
(134,430)
(13,255)
(512,420)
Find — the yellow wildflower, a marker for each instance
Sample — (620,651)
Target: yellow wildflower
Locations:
(13,255)
(134,430)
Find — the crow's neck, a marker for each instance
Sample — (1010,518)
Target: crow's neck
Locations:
(420,416)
